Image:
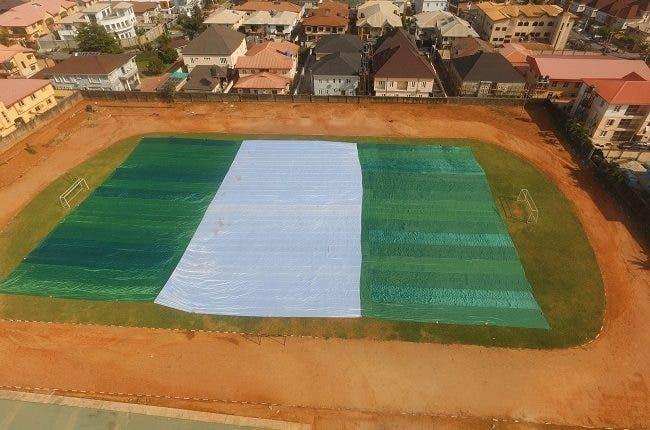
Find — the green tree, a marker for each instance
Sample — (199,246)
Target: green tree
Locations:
(168,55)
(155,66)
(193,24)
(94,38)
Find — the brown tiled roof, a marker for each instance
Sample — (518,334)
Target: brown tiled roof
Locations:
(397,57)
(631,90)
(327,20)
(101,64)
(12,90)
(144,6)
(264,80)
(215,40)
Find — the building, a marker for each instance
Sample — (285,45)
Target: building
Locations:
(560,77)
(21,100)
(146,12)
(226,18)
(617,14)
(271,6)
(376,18)
(16,61)
(279,58)
(616,111)
(207,79)
(216,46)
(31,20)
(270,24)
(329,17)
(426,24)
(430,5)
(337,43)
(398,69)
(117,18)
(499,23)
(336,74)
(517,53)
(103,72)
(185,7)
(483,73)
(262,83)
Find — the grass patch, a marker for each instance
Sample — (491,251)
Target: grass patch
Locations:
(569,291)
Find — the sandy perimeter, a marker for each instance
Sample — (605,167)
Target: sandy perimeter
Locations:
(603,383)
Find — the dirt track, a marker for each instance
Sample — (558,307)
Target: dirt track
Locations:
(604,383)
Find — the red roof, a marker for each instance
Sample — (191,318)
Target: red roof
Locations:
(631,90)
(13,90)
(577,68)
(263,80)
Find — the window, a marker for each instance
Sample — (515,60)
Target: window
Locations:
(603,133)
(609,122)
(617,108)
(565,85)
(223,60)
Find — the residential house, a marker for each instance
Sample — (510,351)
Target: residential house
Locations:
(185,7)
(617,14)
(482,73)
(216,46)
(280,58)
(499,23)
(207,79)
(426,24)
(441,28)
(336,74)
(430,5)
(262,83)
(270,24)
(252,6)
(330,17)
(29,21)
(517,53)
(178,45)
(616,111)
(226,18)
(21,100)
(337,43)
(377,17)
(560,77)
(398,69)
(117,18)
(102,72)
(16,61)
(165,7)
(146,12)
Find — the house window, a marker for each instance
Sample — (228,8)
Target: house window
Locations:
(603,133)
(565,85)
(609,122)
(223,60)
(617,108)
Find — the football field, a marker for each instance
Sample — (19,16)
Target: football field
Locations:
(291,228)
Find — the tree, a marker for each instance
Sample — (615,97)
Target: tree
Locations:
(168,55)
(168,91)
(94,38)
(193,24)
(155,66)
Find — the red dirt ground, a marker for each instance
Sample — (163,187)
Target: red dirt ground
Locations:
(603,383)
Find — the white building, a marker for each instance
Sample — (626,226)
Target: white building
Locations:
(226,18)
(430,5)
(216,46)
(265,24)
(616,111)
(117,18)
(103,72)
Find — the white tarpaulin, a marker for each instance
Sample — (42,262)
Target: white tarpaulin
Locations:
(282,236)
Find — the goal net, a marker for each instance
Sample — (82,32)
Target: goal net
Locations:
(73,190)
(526,199)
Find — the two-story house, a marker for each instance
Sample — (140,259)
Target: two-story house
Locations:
(376,18)
(102,72)
(616,111)
(280,58)
(16,61)
(270,24)
(21,100)
(31,20)
(430,5)
(117,18)
(216,46)
(398,69)
(330,17)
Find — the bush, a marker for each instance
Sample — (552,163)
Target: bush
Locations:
(155,66)
(168,55)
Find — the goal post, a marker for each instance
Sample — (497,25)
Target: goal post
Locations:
(525,198)
(73,190)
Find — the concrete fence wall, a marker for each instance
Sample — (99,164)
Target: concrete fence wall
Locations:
(288,98)
(25,129)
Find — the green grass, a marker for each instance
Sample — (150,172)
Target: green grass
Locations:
(556,256)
